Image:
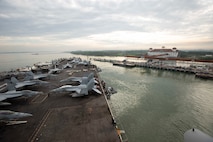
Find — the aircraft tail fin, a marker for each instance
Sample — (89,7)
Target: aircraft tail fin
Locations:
(14,80)
(11,87)
(90,84)
(30,73)
(84,80)
(90,76)
(28,78)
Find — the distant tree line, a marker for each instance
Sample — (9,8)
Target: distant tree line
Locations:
(202,55)
(112,53)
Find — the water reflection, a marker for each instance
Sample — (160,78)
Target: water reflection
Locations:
(156,105)
(153,105)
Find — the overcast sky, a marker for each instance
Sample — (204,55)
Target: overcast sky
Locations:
(67,25)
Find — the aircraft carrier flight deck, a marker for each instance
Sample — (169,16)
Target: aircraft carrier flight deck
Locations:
(59,117)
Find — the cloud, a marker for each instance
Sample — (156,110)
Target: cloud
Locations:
(104,24)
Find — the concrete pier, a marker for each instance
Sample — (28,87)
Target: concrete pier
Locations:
(203,73)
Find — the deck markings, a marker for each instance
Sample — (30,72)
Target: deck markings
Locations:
(38,128)
(37,98)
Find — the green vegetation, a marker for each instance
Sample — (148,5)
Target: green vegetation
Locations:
(202,55)
(112,53)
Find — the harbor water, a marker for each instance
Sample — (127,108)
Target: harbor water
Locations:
(151,105)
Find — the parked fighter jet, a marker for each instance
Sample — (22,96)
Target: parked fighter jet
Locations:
(67,65)
(16,94)
(9,117)
(26,83)
(24,93)
(31,75)
(40,64)
(82,80)
(84,63)
(5,97)
(79,90)
(54,71)
(80,62)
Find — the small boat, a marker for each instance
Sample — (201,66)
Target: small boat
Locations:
(204,75)
(123,64)
(111,90)
(35,54)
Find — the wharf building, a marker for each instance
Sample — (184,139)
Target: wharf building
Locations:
(163,53)
(162,56)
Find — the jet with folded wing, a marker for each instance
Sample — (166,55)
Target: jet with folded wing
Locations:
(80,90)
(9,117)
(54,71)
(16,94)
(82,80)
(19,84)
(24,93)
(32,76)
(67,65)
(5,97)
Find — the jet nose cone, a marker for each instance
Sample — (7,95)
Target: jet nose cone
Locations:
(26,114)
(44,82)
(40,93)
(53,90)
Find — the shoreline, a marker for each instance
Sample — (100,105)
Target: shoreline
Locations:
(204,72)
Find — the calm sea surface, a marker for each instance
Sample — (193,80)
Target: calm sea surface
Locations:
(151,105)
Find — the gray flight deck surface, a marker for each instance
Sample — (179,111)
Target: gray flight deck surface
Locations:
(61,118)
